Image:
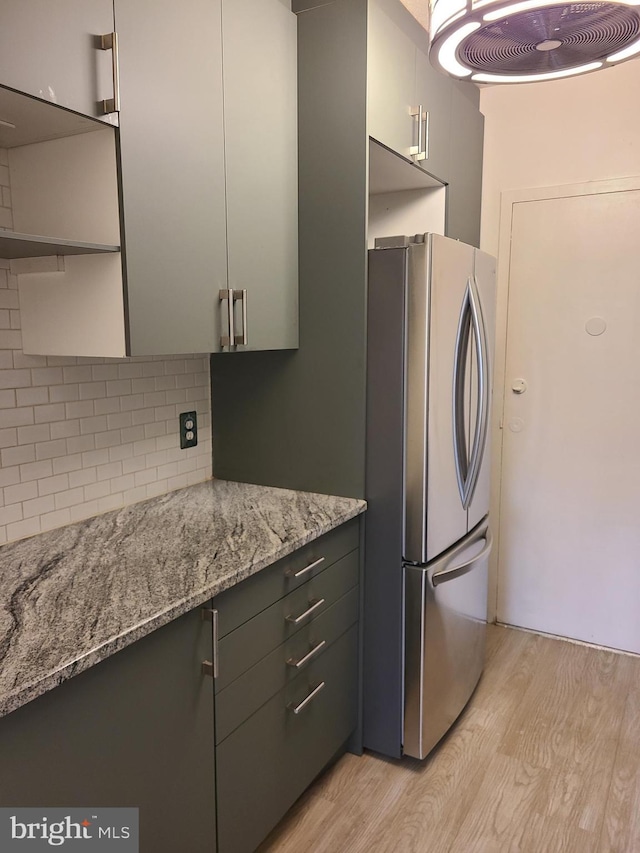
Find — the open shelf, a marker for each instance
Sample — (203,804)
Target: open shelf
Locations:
(13,245)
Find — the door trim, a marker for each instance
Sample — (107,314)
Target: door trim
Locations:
(508,200)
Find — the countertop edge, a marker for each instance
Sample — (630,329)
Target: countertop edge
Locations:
(33,690)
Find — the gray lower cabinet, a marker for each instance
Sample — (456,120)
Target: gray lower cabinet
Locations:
(50,51)
(287,689)
(135,730)
(139,728)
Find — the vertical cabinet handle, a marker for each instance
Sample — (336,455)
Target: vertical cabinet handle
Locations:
(243,338)
(416,150)
(109,41)
(425,150)
(421,150)
(211,667)
(231,339)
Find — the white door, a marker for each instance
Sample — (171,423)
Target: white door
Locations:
(569,557)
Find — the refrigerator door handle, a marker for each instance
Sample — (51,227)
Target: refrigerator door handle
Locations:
(459,370)
(482,417)
(450,573)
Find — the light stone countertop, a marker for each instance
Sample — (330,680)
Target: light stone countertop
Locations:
(72,597)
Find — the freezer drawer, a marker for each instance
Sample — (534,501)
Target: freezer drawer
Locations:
(445,627)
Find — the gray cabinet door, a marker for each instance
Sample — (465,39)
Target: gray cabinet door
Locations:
(49,50)
(465,180)
(261,132)
(135,730)
(433,92)
(171,154)
(391,76)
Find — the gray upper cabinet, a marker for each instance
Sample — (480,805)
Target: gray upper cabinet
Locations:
(51,51)
(466,144)
(433,93)
(172,173)
(195,191)
(261,133)
(409,103)
(391,82)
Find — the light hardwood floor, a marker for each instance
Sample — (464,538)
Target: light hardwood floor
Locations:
(544,759)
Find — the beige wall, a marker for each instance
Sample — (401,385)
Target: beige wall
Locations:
(562,132)
(542,135)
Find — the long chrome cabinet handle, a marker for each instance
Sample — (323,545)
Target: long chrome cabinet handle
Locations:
(457,571)
(416,150)
(290,573)
(295,620)
(109,41)
(211,667)
(298,664)
(426,135)
(228,339)
(242,339)
(298,708)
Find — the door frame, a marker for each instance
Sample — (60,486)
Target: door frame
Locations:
(508,200)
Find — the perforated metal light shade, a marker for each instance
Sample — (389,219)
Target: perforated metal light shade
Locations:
(518,41)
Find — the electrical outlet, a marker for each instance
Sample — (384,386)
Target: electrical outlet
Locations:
(188,429)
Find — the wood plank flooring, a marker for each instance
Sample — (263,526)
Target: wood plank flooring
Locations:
(544,759)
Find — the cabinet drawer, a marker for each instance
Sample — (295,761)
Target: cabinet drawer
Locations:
(264,766)
(252,689)
(245,646)
(244,600)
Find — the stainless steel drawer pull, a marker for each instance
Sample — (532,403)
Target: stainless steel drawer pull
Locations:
(298,708)
(298,664)
(295,620)
(290,573)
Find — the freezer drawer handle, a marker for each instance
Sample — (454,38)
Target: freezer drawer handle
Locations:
(298,664)
(298,708)
(454,572)
(296,620)
(291,573)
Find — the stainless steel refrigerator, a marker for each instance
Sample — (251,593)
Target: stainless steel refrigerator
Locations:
(431,322)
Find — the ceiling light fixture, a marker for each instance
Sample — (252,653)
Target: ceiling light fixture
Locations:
(501,41)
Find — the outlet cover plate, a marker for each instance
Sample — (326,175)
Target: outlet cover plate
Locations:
(188,429)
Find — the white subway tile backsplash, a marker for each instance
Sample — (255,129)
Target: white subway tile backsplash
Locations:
(16,417)
(36,470)
(50,485)
(10,339)
(38,506)
(17,455)
(33,434)
(80,436)
(8,399)
(22,529)
(51,520)
(21,492)
(83,477)
(9,299)
(14,378)
(49,413)
(32,396)
(46,376)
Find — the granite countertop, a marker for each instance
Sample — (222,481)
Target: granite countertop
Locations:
(71,597)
